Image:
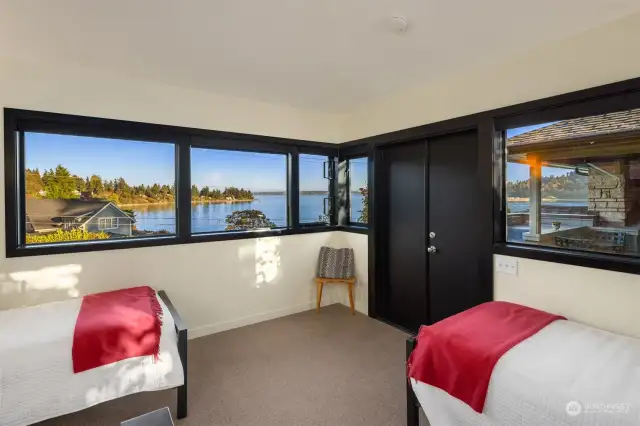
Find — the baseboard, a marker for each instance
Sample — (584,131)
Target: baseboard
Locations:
(251,319)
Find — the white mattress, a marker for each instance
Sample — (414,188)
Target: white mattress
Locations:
(534,382)
(36,370)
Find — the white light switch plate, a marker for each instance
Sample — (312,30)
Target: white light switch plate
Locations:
(507,265)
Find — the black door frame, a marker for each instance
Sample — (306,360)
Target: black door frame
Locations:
(482,124)
(614,96)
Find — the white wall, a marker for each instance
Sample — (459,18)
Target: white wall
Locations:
(215,286)
(98,93)
(594,58)
(605,299)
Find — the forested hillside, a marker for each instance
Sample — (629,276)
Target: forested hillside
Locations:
(61,184)
(570,186)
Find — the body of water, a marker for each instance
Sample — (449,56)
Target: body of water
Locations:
(523,206)
(210,217)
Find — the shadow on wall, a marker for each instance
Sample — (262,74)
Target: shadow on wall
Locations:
(40,285)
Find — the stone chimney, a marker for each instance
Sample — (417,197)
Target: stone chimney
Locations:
(612,194)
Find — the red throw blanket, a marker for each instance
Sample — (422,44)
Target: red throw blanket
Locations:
(458,353)
(116,325)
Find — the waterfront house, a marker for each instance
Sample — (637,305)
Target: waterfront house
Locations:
(49,215)
(605,149)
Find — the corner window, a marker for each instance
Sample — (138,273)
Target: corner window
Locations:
(79,188)
(358,191)
(237,190)
(575,184)
(316,174)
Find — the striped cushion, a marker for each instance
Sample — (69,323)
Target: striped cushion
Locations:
(336,263)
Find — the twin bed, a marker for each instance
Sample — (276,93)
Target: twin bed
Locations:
(565,374)
(37,381)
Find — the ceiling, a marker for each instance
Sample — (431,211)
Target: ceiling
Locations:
(329,55)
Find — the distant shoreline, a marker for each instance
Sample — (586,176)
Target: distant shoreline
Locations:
(192,202)
(547,199)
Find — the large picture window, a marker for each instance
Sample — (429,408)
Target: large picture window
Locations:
(237,191)
(575,184)
(358,191)
(79,188)
(316,174)
(77,184)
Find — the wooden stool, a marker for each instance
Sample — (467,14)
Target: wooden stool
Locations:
(348,281)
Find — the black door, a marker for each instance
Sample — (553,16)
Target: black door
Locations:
(403,291)
(428,245)
(454,279)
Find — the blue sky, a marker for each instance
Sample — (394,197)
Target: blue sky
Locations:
(153,162)
(517,171)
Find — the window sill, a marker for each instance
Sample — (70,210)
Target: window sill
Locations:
(609,262)
(354,229)
(81,247)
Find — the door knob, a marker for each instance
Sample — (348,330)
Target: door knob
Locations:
(432,249)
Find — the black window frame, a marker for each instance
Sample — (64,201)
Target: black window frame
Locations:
(349,205)
(332,158)
(350,151)
(18,121)
(260,148)
(614,97)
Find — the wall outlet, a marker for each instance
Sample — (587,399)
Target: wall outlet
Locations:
(507,265)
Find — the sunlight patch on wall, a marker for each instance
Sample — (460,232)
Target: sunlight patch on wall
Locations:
(267,256)
(264,256)
(63,277)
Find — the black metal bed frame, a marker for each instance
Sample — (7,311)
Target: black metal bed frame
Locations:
(413,405)
(181,331)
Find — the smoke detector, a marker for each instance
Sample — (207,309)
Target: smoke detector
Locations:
(399,24)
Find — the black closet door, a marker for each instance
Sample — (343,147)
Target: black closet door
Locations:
(402,296)
(428,249)
(454,281)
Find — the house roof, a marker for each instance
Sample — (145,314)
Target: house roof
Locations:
(579,128)
(49,213)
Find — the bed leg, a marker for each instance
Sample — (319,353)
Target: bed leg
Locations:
(413,406)
(181,408)
(182,402)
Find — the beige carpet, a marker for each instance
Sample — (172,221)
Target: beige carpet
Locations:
(329,369)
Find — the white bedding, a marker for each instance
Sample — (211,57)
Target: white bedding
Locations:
(533,383)
(36,370)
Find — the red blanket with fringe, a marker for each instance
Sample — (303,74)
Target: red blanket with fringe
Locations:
(116,325)
(458,353)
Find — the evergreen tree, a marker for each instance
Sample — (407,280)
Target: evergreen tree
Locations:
(60,184)
(34,182)
(95,185)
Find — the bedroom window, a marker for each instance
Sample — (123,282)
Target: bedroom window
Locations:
(76,184)
(358,191)
(78,188)
(316,181)
(574,184)
(238,190)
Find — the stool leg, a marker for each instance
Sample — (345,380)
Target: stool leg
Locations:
(353,312)
(319,300)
